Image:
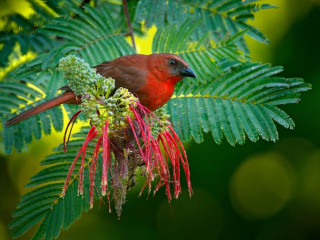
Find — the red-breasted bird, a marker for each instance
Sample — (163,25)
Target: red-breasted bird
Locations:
(150,77)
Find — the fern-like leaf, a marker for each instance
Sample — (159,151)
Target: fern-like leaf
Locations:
(43,204)
(222,17)
(232,98)
(93,35)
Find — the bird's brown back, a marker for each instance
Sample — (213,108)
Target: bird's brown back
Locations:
(128,71)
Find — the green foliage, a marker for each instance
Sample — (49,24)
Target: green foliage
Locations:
(93,36)
(44,203)
(232,97)
(220,17)
(238,112)
(22,31)
(19,30)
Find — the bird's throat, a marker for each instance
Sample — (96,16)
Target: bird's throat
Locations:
(156,93)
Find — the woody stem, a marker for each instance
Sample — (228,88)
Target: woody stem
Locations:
(125,8)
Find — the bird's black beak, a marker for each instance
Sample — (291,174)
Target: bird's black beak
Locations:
(188,72)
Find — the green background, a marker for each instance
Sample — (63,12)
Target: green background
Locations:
(256,191)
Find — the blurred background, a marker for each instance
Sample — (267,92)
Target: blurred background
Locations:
(256,191)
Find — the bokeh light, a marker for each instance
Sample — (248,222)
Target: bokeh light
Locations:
(22,7)
(262,185)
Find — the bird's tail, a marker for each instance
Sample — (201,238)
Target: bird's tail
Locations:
(67,97)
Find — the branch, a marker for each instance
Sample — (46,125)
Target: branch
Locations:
(125,8)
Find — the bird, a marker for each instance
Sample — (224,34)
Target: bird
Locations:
(151,78)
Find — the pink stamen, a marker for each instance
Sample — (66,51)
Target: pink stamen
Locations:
(105,161)
(143,155)
(144,186)
(135,136)
(141,124)
(163,171)
(93,169)
(71,121)
(183,161)
(174,158)
(69,174)
(91,134)
(170,153)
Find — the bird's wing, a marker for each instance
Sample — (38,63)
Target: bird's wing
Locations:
(127,72)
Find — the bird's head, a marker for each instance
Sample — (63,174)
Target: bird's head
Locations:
(170,67)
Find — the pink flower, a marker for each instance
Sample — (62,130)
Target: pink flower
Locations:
(155,153)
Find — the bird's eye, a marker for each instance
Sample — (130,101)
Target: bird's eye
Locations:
(172,62)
